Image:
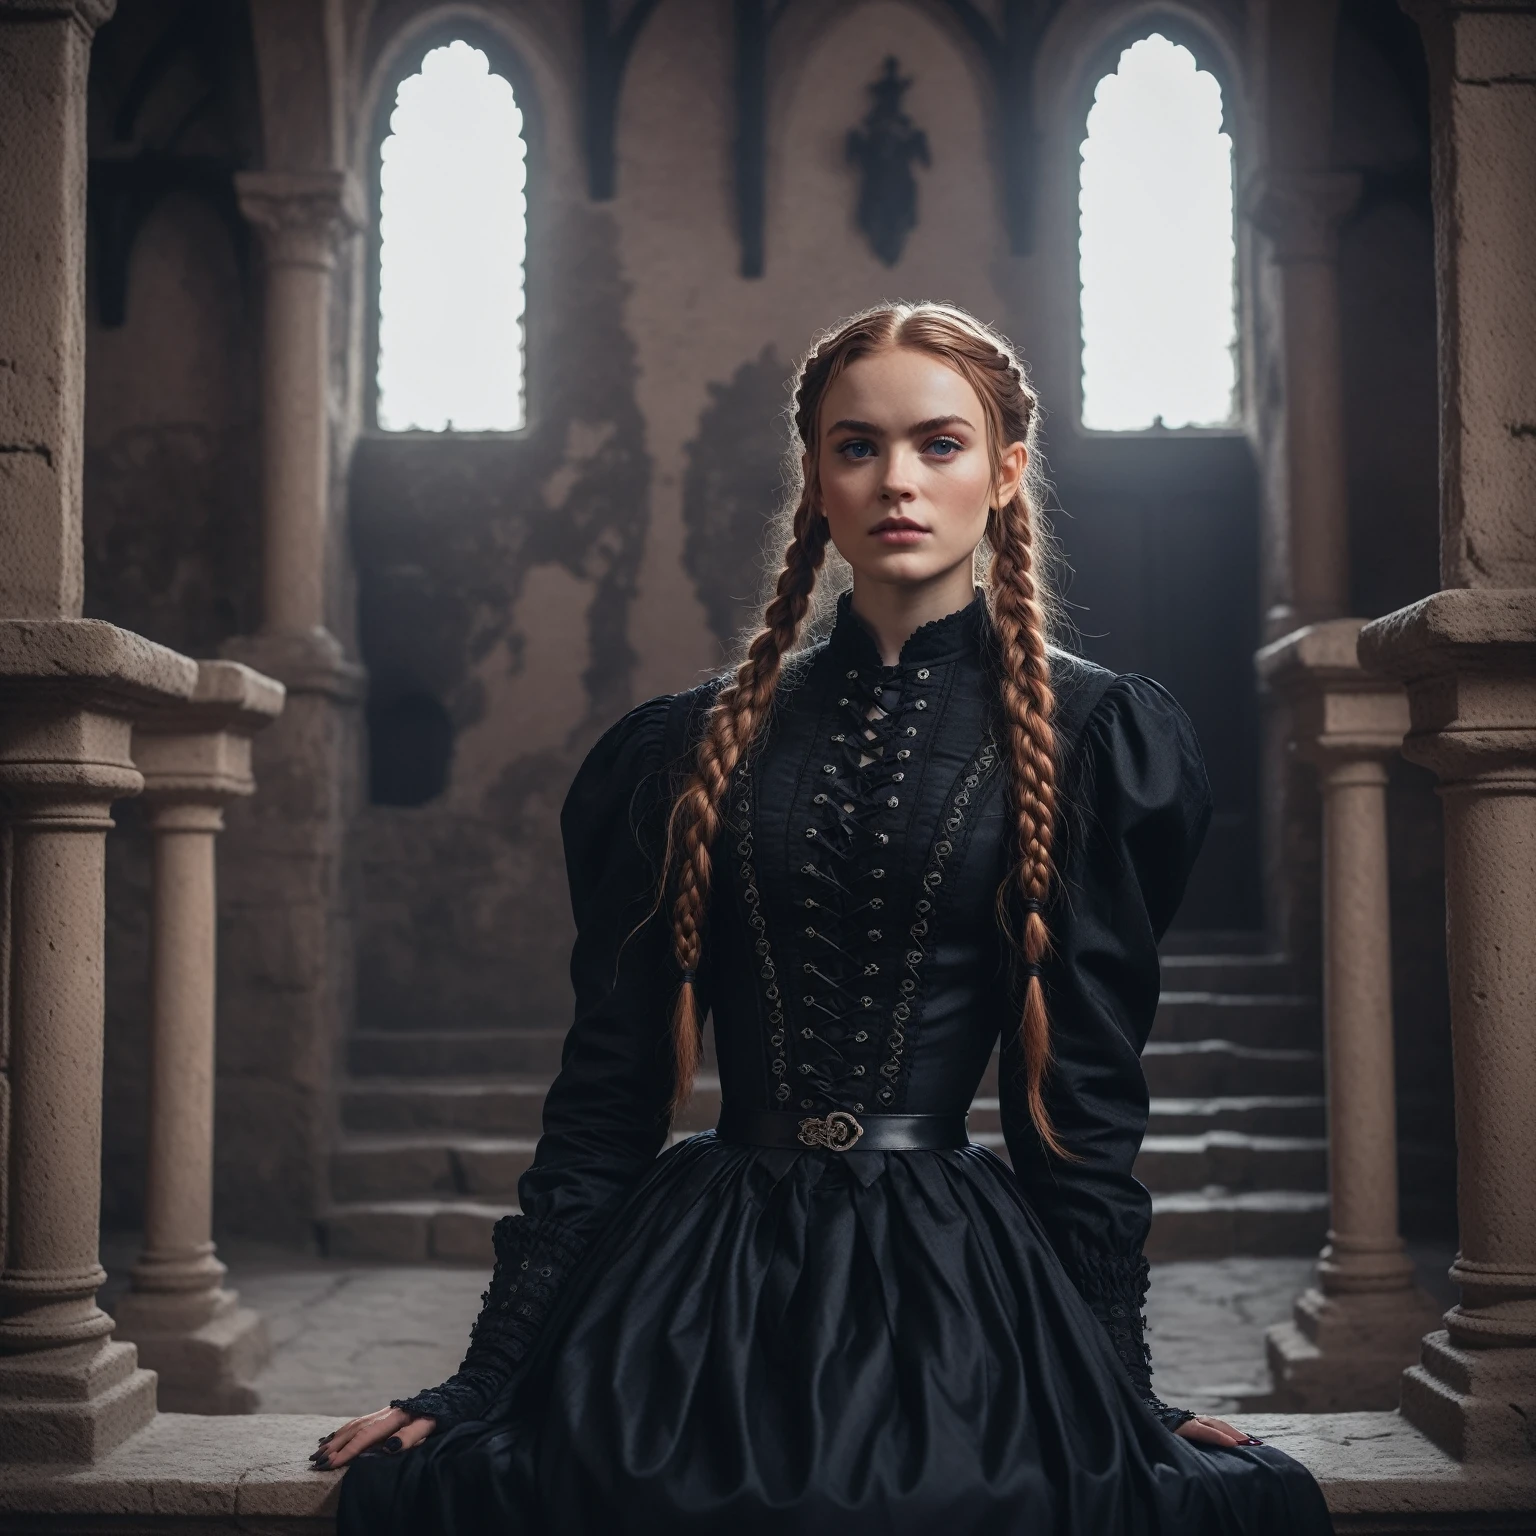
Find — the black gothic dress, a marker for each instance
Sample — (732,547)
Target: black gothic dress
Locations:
(741,1339)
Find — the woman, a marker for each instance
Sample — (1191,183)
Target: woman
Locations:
(876,857)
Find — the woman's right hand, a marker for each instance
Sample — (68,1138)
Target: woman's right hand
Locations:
(396,1429)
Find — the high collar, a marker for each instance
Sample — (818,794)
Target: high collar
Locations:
(957,634)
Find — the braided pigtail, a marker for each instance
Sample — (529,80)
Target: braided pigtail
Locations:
(732,727)
(1025,685)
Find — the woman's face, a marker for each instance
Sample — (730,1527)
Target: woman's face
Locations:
(906,481)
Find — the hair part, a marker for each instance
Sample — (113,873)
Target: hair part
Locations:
(1019,602)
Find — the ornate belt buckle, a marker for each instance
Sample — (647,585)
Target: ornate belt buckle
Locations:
(837,1133)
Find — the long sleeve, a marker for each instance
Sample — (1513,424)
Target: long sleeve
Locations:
(605,1117)
(1136,808)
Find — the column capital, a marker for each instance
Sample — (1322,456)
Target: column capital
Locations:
(88,15)
(1301,211)
(303,216)
(1468,658)
(311,661)
(197,752)
(1343,714)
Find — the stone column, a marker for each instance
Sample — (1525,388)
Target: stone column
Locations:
(1468,657)
(68,687)
(45,49)
(67,690)
(204,1345)
(1354,1332)
(1307,543)
(1300,212)
(286,872)
(301,218)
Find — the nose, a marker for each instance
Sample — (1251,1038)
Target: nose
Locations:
(899,483)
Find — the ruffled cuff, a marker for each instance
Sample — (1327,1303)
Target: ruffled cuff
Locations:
(533,1259)
(1115,1288)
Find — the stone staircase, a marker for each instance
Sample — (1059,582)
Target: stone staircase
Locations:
(436,1127)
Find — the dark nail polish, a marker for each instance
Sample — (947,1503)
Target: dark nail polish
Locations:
(323,1462)
(393,1444)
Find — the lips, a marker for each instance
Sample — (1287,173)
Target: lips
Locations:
(898,530)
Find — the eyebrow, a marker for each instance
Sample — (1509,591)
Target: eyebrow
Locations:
(933,424)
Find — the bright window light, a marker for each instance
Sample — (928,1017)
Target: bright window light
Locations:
(453,227)
(1158,258)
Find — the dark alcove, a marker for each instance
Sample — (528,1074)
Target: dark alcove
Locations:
(410,744)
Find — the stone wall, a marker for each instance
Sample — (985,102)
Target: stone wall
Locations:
(513,595)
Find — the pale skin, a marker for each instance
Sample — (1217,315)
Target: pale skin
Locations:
(906,484)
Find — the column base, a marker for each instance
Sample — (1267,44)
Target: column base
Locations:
(1346,1354)
(1478,1404)
(206,1349)
(73,1405)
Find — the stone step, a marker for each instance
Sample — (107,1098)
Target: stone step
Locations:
(1233,1161)
(427,1165)
(1231,974)
(1255,1114)
(1244,942)
(413,1231)
(1218,1224)
(1267,1020)
(1205,1069)
(454,1052)
(502,1106)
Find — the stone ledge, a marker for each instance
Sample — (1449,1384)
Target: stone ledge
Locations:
(89,660)
(1379,1473)
(186,1474)
(1495,627)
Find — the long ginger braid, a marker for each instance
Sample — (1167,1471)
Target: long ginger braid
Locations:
(1024,683)
(733,724)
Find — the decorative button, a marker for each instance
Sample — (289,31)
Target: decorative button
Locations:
(878,874)
(921,704)
(866,1002)
(862,1036)
(896,778)
(810,933)
(820,800)
(903,755)
(810,902)
(876,903)
(871,969)
(842,702)
(853,672)
(922,675)
(807,1034)
(911,730)
(874,935)
(829,767)
(840,737)
(882,838)
(893,802)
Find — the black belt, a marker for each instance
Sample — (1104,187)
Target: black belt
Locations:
(842,1130)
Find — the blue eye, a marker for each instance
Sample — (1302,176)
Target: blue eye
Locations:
(945,447)
(857,448)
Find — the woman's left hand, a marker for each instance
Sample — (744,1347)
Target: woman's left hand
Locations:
(1214,1432)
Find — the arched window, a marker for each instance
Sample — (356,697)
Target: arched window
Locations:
(1159,300)
(453,225)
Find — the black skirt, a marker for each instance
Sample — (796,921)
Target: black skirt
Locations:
(771,1343)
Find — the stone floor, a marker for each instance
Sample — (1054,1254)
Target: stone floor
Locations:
(348,1337)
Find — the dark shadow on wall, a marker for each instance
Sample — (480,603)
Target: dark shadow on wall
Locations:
(733,487)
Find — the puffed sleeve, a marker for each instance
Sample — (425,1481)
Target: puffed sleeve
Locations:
(605,1117)
(1136,807)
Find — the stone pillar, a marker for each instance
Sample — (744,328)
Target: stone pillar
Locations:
(67,690)
(45,49)
(301,218)
(288,971)
(1307,543)
(1300,212)
(1354,1332)
(1468,657)
(204,1345)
